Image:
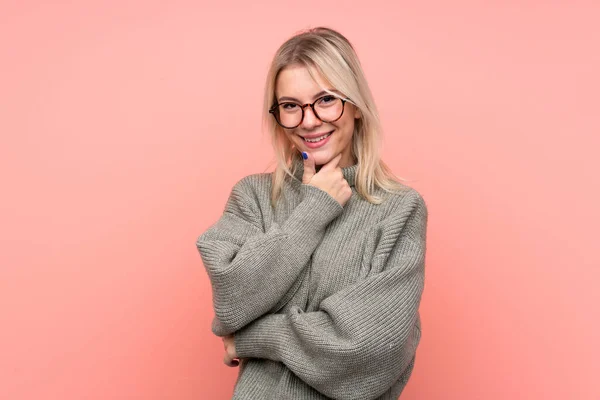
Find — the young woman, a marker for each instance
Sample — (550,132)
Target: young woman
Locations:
(317,269)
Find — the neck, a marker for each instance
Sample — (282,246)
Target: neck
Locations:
(349,171)
(346,161)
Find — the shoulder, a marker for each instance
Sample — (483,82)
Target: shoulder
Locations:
(404,198)
(414,200)
(253,183)
(404,207)
(407,213)
(251,189)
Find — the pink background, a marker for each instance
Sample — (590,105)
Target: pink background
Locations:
(124,126)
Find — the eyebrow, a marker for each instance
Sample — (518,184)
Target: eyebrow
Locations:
(321,93)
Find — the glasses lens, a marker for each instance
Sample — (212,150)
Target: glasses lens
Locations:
(329,108)
(289,115)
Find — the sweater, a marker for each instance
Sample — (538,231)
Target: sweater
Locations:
(322,299)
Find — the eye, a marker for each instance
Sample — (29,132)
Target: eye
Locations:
(288,106)
(327,99)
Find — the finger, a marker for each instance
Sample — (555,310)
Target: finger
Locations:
(309,167)
(231,352)
(231,362)
(333,163)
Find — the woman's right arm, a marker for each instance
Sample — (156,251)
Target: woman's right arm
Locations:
(251,270)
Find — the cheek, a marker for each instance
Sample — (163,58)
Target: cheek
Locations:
(292,136)
(348,128)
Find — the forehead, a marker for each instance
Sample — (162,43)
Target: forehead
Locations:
(296,81)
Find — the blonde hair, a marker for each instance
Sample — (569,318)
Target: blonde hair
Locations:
(333,57)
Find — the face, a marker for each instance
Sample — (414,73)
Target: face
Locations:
(294,84)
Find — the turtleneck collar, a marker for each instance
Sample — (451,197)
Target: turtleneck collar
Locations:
(348,172)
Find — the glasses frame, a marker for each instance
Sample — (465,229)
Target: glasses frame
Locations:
(273,110)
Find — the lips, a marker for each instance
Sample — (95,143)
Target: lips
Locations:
(322,142)
(315,136)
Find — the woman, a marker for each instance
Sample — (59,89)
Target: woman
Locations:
(317,268)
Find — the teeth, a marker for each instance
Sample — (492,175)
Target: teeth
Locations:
(317,139)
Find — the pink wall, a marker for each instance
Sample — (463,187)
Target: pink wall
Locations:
(118,149)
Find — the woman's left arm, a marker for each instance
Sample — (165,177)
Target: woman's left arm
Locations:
(362,338)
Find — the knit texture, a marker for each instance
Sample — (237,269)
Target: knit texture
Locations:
(322,299)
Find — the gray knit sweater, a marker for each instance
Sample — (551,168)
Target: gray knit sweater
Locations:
(322,299)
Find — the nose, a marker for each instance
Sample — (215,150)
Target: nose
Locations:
(310,119)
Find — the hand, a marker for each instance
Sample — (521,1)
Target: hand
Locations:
(329,178)
(231,359)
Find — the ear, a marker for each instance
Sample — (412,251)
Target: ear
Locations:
(357,113)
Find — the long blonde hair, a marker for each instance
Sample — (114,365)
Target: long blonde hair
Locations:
(333,57)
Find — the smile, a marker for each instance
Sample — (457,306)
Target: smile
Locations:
(316,140)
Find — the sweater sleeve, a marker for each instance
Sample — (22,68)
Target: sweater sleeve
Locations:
(251,269)
(362,338)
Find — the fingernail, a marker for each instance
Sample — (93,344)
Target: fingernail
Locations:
(304,155)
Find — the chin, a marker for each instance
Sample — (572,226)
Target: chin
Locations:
(322,159)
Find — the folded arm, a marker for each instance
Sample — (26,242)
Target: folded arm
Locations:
(252,270)
(362,338)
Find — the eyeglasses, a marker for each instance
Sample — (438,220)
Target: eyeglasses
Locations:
(290,115)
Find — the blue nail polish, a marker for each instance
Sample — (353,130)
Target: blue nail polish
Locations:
(304,155)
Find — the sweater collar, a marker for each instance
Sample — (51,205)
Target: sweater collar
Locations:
(348,172)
